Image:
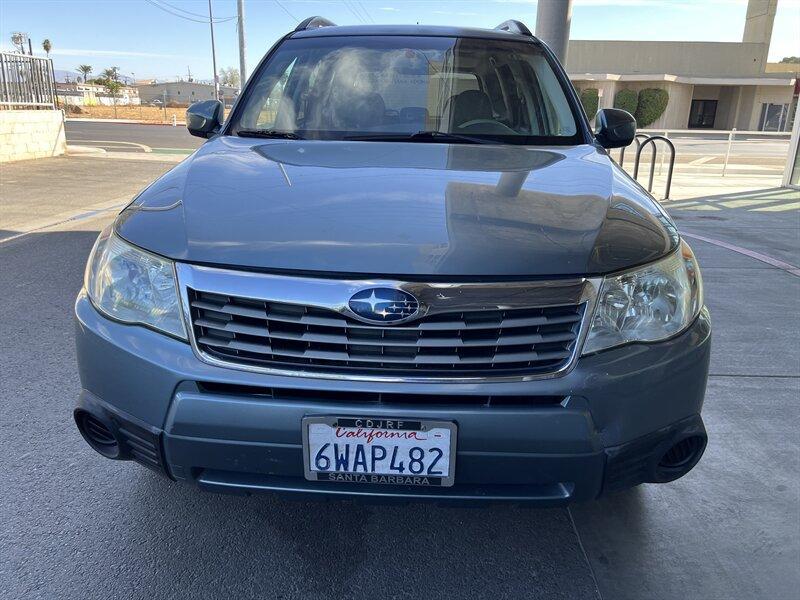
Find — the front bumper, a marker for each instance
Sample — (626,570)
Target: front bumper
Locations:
(602,426)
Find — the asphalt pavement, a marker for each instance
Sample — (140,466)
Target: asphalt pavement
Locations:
(129,137)
(76,525)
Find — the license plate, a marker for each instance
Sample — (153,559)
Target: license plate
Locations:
(379,450)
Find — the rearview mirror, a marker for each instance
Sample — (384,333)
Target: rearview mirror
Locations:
(614,128)
(203,119)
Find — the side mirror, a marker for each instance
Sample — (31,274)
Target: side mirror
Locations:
(614,128)
(203,119)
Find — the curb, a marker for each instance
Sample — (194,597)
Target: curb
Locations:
(123,122)
(83,150)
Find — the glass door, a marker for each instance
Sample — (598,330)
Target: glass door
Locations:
(702,114)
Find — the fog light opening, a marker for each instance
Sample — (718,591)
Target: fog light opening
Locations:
(97,434)
(681,457)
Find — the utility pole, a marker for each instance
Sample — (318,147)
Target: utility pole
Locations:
(552,25)
(213,51)
(242,44)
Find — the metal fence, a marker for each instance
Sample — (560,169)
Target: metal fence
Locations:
(26,82)
(718,152)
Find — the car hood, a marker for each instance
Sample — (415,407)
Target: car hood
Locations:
(399,209)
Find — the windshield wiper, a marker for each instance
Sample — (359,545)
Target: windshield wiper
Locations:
(269,133)
(421,136)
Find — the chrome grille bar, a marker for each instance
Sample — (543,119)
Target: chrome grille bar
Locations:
(468,331)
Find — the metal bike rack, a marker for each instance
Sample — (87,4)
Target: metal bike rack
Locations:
(641,146)
(638,143)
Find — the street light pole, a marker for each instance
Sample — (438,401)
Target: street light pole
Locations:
(213,51)
(242,45)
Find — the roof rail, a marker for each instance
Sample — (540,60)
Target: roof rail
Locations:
(314,23)
(513,26)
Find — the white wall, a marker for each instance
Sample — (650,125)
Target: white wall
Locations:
(26,134)
(701,59)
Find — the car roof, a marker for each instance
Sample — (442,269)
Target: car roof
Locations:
(412,30)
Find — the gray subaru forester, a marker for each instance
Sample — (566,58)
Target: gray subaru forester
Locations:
(404,266)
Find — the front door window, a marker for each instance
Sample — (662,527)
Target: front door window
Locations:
(702,114)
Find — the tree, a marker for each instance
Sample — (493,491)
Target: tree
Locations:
(652,104)
(590,98)
(85,70)
(111,73)
(113,88)
(626,100)
(47,46)
(792,60)
(229,76)
(18,38)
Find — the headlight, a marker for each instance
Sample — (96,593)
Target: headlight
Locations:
(649,304)
(133,286)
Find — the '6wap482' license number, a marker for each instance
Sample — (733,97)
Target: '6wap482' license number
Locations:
(388,451)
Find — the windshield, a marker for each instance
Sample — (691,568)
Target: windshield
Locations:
(395,87)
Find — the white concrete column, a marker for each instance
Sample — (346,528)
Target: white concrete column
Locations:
(792,163)
(553,19)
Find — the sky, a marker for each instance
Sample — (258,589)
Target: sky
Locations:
(165,39)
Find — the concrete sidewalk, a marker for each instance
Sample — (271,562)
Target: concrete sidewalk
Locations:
(40,193)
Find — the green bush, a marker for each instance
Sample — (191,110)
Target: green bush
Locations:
(652,103)
(590,99)
(626,100)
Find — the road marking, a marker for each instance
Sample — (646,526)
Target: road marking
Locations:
(142,146)
(172,150)
(783,266)
(702,160)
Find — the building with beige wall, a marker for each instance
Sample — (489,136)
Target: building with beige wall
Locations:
(184,92)
(711,85)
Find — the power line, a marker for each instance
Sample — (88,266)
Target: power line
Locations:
(365,11)
(188,12)
(278,2)
(351,7)
(176,14)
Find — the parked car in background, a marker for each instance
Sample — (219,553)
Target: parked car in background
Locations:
(404,266)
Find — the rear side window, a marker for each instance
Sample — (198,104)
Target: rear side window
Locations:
(333,87)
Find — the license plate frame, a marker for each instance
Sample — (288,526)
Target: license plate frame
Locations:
(405,424)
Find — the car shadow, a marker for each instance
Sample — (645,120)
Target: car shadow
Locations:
(348,549)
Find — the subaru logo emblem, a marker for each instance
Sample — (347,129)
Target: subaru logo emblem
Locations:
(383,305)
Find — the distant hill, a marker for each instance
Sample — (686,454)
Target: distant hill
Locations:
(62,75)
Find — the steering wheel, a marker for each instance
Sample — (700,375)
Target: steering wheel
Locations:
(480,126)
(478,122)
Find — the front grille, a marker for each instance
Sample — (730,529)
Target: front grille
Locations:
(279,335)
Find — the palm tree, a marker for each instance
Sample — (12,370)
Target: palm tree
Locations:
(111,73)
(47,46)
(85,69)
